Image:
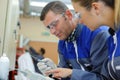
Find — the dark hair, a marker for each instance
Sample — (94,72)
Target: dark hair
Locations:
(42,51)
(87,3)
(57,7)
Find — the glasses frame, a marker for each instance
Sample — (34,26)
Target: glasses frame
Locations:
(55,22)
(77,15)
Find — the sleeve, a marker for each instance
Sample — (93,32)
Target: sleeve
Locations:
(62,61)
(84,75)
(25,62)
(99,50)
(22,64)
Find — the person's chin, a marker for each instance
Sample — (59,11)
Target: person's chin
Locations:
(61,38)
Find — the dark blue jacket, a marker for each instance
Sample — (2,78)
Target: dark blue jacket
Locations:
(114,56)
(85,54)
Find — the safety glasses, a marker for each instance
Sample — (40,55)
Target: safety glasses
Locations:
(55,22)
(77,15)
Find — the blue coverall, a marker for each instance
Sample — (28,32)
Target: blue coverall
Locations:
(114,56)
(84,51)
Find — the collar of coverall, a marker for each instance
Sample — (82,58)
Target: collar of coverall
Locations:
(73,35)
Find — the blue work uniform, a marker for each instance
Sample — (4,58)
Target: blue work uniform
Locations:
(84,51)
(114,56)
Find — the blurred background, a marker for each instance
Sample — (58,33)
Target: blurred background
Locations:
(19,21)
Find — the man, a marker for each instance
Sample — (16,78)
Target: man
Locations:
(79,48)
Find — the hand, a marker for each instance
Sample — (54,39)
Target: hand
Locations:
(60,72)
(46,65)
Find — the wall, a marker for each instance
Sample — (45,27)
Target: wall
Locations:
(34,29)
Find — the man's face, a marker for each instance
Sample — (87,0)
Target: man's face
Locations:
(58,24)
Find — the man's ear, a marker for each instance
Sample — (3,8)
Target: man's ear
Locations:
(68,14)
(96,8)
